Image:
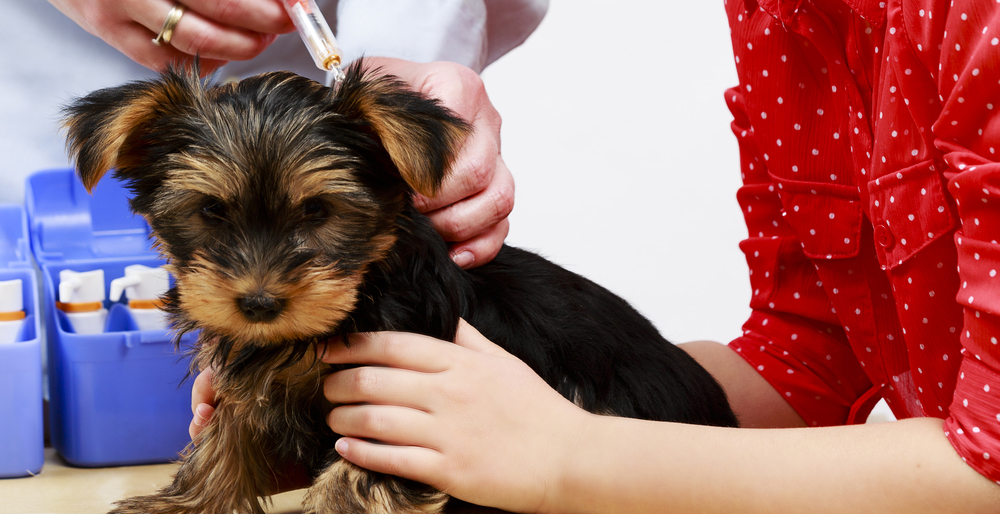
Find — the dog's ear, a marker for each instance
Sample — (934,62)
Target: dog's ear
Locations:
(103,127)
(421,136)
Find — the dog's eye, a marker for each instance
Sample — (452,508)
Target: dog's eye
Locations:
(315,210)
(213,212)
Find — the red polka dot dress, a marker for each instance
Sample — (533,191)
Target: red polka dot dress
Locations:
(868,135)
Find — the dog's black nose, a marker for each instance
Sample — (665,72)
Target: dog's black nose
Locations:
(258,308)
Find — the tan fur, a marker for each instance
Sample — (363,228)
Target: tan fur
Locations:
(112,137)
(395,137)
(324,296)
(225,466)
(336,491)
(398,134)
(193,173)
(321,178)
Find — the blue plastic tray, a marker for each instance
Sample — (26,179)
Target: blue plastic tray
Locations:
(22,431)
(119,397)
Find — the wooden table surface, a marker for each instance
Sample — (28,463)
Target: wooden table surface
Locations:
(62,489)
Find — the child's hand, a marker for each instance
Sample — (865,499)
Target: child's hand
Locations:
(202,402)
(469,418)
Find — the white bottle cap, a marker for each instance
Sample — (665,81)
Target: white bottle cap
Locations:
(11,296)
(81,287)
(140,283)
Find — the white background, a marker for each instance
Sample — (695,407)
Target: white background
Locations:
(616,130)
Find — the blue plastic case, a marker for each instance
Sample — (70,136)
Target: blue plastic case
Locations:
(22,432)
(115,398)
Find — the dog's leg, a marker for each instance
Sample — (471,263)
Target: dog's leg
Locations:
(344,488)
(224,472)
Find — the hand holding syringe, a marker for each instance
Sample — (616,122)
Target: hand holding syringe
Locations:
(317,36)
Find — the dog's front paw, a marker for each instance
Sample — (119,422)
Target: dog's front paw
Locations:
(344,488)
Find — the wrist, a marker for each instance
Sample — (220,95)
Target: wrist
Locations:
(577,457)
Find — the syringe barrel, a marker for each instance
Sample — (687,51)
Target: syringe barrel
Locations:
(315,33)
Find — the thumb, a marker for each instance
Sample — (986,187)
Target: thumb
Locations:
(468,337)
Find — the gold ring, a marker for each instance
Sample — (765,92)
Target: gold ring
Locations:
(169,24)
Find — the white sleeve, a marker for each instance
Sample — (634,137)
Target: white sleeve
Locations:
(470,32)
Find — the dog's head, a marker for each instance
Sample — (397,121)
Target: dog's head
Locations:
(270,197)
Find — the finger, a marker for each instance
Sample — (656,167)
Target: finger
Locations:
(265,16)
(474,214)
(385,424)
(377,385)
(482,248)
(196,35)
(135,41)
(202,390)
(468,337)
(414,463)
(202,414)
(396,349)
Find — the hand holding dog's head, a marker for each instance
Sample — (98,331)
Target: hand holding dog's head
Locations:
(271,196)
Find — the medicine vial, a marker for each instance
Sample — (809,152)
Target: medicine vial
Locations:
(81,297)
(143,286)
(11,310)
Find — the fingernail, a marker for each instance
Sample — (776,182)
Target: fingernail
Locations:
(341,446)
(464,259)
(420,202)
(201,414)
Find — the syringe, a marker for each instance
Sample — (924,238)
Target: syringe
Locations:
(317,36)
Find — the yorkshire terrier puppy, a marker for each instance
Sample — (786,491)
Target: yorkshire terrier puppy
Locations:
(284,210)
